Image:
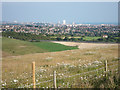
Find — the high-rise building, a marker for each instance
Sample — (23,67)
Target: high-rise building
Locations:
(73,23)
(58,22)
(64,22)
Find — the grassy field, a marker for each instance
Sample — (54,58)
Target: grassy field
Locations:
(69,65)
(52,47)
(18,47)
(90,38)
(84,38)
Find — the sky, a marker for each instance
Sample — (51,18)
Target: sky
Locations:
(52,12)
(60,0)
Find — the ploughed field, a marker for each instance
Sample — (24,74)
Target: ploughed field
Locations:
(75,67)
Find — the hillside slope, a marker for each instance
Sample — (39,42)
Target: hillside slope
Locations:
(18,47)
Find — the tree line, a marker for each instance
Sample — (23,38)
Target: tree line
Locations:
(33,37)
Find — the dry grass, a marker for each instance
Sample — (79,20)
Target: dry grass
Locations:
(88,53)
(84,45)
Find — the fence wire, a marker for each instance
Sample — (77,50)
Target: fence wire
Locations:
(75,75)
(26,81)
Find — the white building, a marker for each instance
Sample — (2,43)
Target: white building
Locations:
(105,36)
(58,22)
(73,23)
(64,22)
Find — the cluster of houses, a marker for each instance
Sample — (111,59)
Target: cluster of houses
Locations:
(78,29)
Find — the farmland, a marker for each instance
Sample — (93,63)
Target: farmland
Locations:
(71,65)
(91,38)
(86,38)
(18,47)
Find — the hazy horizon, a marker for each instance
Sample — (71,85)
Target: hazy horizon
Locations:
(52,12)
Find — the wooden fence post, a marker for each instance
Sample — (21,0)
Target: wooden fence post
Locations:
(33,68)
(106,68)
(54,79)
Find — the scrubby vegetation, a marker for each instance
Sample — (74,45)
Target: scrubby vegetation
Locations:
(91,75)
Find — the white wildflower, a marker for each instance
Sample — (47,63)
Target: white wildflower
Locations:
(4,84)
(36,80)
(15,81)
(81,78)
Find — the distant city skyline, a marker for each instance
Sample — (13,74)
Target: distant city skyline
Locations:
(54,12)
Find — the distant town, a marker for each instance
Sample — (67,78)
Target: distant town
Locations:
(62,30)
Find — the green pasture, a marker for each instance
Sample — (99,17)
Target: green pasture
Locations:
(18,47)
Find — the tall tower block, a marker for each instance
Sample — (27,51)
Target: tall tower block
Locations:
(64,22)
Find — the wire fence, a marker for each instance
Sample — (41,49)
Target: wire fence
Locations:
(69,76)
(45,78)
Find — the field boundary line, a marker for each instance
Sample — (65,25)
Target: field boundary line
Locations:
(73,75)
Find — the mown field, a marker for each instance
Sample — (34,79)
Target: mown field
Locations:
(18,47)
(77,68)
(86,38)
(91,38)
